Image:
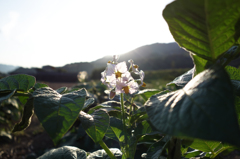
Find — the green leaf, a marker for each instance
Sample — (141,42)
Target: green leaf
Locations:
(88,102)
(57,112)
(237,106)
(132,146)
(196,26)
(62,90)
(6,95)
(192,153)
(200,64)
(156,149)
(5,136)
(95,124)
(115,113)
(228,56)
(213,147)
(39,85)
(100,107)
(26,117)
(203,109)
(141,111)
(149,139)
(113,104)
(115,130)
(101,154)
(147,93)
(20,82)
(233,72)
(143,128)
(65,152)
(182,80)
(236,87)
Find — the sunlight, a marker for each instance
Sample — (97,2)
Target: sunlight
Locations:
(76,31)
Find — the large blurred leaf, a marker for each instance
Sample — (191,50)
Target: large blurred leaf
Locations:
(95,124)
(65,152)
(26,116)
(204,109)
(207,28)
(20,82)
(57,112)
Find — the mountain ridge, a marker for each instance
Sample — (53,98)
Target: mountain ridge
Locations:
(148,57)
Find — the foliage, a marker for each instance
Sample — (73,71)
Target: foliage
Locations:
(198,118)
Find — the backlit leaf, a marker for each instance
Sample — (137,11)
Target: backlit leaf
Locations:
(95,124)
(26,116)
(57,112)
(207,28)
(20,82)
(204,108)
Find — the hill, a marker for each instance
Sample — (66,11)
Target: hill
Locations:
(154,57)
(7,68)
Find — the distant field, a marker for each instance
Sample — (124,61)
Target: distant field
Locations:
(159,78)
(154,79)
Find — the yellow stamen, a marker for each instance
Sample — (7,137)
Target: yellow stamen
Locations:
(126,89)
(118,74)
(109,61)
(135,66)
(144,84)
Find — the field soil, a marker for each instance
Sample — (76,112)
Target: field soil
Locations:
(29,143)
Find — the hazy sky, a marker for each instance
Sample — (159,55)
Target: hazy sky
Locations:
(34,33)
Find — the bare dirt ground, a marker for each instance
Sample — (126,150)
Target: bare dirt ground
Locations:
(31,142)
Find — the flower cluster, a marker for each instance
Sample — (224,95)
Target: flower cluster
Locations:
(118,78)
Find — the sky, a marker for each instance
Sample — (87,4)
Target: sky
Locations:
(34,33)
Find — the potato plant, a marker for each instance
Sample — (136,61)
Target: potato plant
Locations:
(199,119)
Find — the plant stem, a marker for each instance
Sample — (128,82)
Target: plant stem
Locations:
(124,127)
(130,112)
(104,146)
(174,148)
